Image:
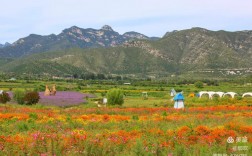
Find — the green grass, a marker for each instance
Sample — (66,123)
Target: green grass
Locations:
(158,94)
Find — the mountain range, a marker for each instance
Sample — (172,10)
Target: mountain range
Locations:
(69,38)
(78,50)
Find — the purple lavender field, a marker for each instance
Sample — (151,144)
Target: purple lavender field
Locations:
(63,98)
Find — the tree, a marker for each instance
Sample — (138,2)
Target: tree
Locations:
(115,97)
(198,84)
(101,76)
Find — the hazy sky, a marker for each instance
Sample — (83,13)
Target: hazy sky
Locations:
(19,18)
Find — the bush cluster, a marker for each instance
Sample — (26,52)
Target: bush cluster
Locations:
(26,97)
(19,96)
(31,98)
(115,97)
(199,84)
(4,97)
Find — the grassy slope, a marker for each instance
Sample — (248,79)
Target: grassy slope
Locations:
(110,60)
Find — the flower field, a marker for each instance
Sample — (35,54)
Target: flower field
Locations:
(125,131)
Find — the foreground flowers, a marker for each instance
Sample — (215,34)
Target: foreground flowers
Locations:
(128,131)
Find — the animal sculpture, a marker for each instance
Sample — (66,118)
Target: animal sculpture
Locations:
(53,91)
(49,92)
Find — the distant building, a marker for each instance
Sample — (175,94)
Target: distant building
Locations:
(56,77)
(12,79)
(127,83)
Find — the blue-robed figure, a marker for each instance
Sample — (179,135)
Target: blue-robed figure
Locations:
(179,101)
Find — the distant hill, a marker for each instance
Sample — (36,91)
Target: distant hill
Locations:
(118,60)
(68,38)
(202,48)
(192,50)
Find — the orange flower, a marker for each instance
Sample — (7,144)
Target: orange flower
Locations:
(207,139)
(183,131)
(220,135)
(13,115)
(202,130)
(85,117)
(165,144)
(246,129)
(192,139)
(106,117)
(120,117)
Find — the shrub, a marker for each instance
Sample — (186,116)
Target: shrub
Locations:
(4,97)
(178,90)
(198,84)
(19,96)
(31,98)
(115,97)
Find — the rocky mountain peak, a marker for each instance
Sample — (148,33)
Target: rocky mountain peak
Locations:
(5,45)
(73,29)
(68,38)
(107,28)
(135,35)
